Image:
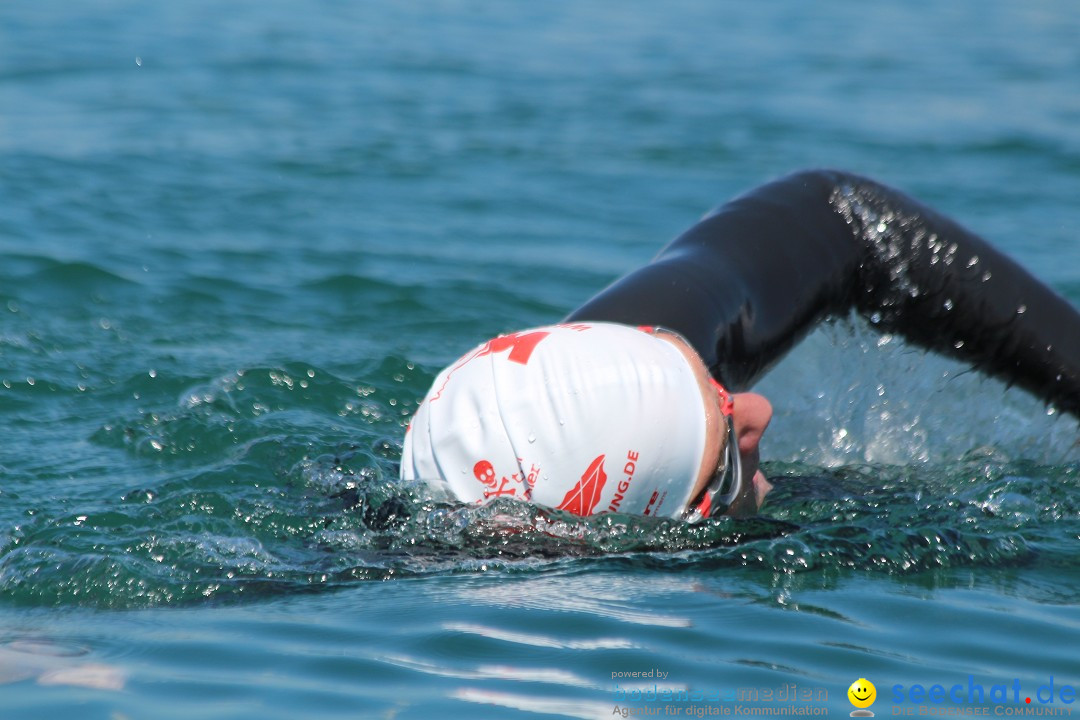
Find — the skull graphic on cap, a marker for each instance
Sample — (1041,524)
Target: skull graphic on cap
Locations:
(485,473)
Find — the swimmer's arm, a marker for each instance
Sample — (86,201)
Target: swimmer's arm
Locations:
(750,280)
(943,287)
(745,284)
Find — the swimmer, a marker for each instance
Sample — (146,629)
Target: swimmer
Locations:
(639,401)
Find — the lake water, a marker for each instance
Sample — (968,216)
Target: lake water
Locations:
(238,241)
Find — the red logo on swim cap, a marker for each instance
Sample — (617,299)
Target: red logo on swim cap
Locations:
(520,345)
(585,496)
(485,473)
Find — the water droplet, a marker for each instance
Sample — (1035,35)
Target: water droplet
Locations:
(948,304)
(1021,310)
(532,438)
(138,61)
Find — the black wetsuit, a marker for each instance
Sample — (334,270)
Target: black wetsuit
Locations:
(750,280)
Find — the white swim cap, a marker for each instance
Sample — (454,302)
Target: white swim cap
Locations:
(587,418)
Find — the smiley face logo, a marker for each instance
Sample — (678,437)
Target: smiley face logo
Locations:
(862,694)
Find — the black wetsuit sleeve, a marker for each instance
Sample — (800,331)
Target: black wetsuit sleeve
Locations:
(752,278)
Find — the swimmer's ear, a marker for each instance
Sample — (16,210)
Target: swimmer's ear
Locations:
(752,415)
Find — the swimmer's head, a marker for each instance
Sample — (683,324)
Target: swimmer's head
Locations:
(587,418)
